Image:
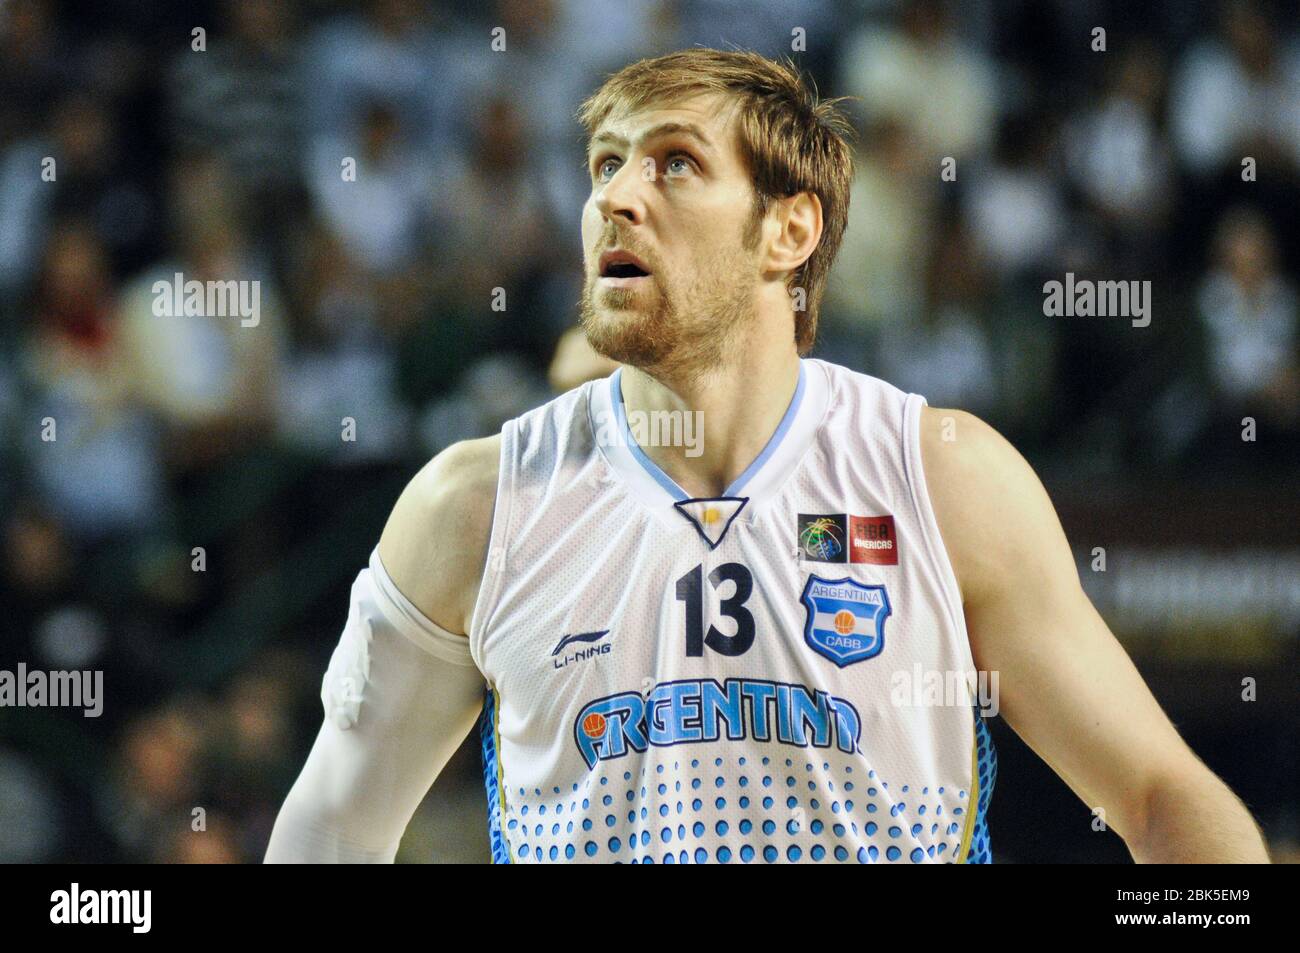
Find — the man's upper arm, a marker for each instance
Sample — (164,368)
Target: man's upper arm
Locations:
(436,538)
(1066,685)
(399,697)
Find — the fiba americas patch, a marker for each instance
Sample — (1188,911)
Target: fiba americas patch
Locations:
(841,538)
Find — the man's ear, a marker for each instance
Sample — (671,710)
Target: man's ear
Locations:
(799,220)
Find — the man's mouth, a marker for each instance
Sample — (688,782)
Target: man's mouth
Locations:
(622,269)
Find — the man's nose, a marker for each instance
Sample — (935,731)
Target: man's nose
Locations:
(623,196)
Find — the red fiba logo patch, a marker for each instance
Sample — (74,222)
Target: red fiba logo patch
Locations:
(872,539)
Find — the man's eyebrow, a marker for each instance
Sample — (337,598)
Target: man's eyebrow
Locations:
(663,129)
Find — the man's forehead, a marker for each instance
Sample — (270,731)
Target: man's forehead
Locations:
(706,117)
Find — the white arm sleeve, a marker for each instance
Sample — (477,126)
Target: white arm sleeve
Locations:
(400,696)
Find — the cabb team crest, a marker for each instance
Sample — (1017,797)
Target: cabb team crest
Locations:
(846,619)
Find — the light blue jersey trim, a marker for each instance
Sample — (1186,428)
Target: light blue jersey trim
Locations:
(667,482)
(790,413)
(650,467)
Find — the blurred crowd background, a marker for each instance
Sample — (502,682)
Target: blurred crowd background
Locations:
(376,305)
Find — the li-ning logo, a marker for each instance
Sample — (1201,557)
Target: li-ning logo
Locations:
(579,655)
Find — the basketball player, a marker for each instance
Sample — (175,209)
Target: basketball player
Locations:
(700,650)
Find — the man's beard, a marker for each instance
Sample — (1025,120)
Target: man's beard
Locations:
(683,337)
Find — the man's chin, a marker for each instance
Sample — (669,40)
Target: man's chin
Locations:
(624,337)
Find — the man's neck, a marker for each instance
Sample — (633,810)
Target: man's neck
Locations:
(738,407)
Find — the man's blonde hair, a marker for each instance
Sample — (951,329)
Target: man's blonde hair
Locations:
(791,140)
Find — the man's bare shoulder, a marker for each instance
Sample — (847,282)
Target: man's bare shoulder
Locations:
(996,519)
(437,535)
(957,445)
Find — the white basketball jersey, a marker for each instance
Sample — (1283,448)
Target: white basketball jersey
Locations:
(746,678)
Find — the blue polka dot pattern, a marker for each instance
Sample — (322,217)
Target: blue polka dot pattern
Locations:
(981,848)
